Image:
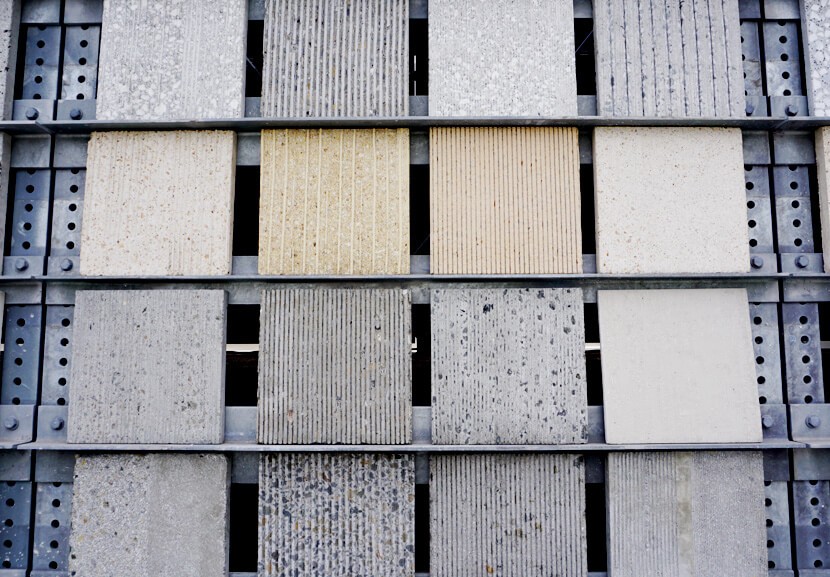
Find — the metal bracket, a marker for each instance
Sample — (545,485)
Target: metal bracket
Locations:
(812,523)
(16,425)
(802,350)
(53,520)
(766,345)
(811,424)
(777,508)
(67,218)
(57,357)
(15,511)
(51,423)
(21,358)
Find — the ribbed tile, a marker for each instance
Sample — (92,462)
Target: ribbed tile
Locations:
(815,23)
(324,515)
(823,173)
(507,515)
(158,203)
(335,366)
(139,515)
(668,58)
(334,202)
(148,367)
(334,58)
(508,366)
(172,59)
(504,200)
(686,514)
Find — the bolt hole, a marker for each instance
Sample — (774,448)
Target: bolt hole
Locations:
(53,564)
(16,401)
(759,360)
(63,361)
(785,57)
(29,207)
(17,381)
(84,43)
(797,242)
(61,401)
(41,43)
(64,342)
(816,542)
(36,96)
(759,340)
(817,563)
(796,204)
(805,339)
(808,399)
(7,564)
(73,188)
(750,204)
(73,207)
(39,61)
(8,544)
(38,79)
(65,322)
(815,522)
(796,223)
(807,379)
(18,361)
(769,522)
(785,75)
(761,380)
(79,96)
(753,242)
(82,61)
(71,226)
(770,544)
(20,342)
(82,79)
(8,523)
(814,501)
(802,320)
(750,186)
(21,322)
(805,359)
(70,245)
(26,245)
(30,188)
(788,92)
(56,503)
(62,381)
(752,224)
(27,226)
(757,320)
(54,544)
(762,400)
(55,523)
(9,502)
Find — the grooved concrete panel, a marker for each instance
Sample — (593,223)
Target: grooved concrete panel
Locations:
(504,200)
(9,25)
(507,515)
(158,203)
(334,58)
(172,59)
(823,173)
(330,515)
(148,367)
(687,514)
(502,58)
(677,366)
(508,366)
(815,18)
(669,58)
(334,202)
(670,200)
(335,366)
(139,515)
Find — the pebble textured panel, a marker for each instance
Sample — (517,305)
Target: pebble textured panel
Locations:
(669,58)
(507,515)
(504,200)
(158,203)
(330,515)
(172,59)
(823,173)
(508,366)
(333,58)
(148,367)
(695,514)
(815,18)
(335,366)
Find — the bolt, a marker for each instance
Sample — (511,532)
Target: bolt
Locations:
(757,262)
(750,109)
(11,423)
(792,109)
(66,265)
(32,113)
(767,421)
(56,424)
(813,422)
(802,261)
(76,114)
(21,264)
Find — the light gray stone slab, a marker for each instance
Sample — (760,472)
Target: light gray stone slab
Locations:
(9,34)
(140,515)
(336,515)
(508,366)
(815,26)
(148,367)
(823,176)
(502,58)
(686,514)
(677,366)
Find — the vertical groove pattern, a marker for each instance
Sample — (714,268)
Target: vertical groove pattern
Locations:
(334,202)
(505,200)
(815,18)
(335,367)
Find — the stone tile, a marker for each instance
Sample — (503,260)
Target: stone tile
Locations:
(670,200)
(508,366)
(677,366)
(823,173)
(9,35)
(815,26)
(139,515)
(148,367)
(158,203)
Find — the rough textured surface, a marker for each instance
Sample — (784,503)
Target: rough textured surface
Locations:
(504,200)
(508,366)
(334,58)
(502,58)
(139,515)
(654,193)
(815,18)
(158,203)
(148,367)
(9,24)
(668,58)
(335,366)
(172,59)
(336,515)
(5,172)
(507,515)
(686,514)
(823,173)
(677,367)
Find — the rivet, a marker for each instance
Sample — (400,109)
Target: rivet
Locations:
(767,421)
(792,109)
(750,109)
(32,113)
(66,265)
(757,262)
(56,424)
(11,423)
(76,114)
(802,261)
(21,264)
(813,422)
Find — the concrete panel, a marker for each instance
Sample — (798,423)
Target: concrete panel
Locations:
(815,24)
(327,515)
(9,34)
(823,173)
(508,366)
(139,515)
(677,59)
(333,58)
(677,367)
(172,59)
(502,58)
(670,200)
(5,172)
(148,367)
(505,200)
(686,514)
(158,203)
(335,366)
(507,515)
(334,202)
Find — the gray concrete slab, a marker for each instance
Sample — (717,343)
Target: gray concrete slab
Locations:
(815,26)
(9,38)
(823,174)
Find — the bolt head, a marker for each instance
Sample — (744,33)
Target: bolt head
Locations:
(802,261)
(32,113)
(750,109)
(11,423)
(757,262)
(21,264)
(56,424)
(76,114)
(813,422)
(66,265)
(792,109)
(767,421)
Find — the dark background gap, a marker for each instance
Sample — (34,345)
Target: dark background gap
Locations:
(241,368)
(418,58)
(253,64)
(595,526)
(593,364)
(419,209)
(246,212)
(586,82)
(422,528)
(422,359)
(243,528)
(586,188)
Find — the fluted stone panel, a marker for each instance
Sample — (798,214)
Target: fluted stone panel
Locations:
(823,173)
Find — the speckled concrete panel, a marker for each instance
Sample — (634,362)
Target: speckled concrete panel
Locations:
(139,515)
(325,515)
(678,366)
(507,515)
(334,58)
(508,366)
(686,514)
(9,30)
(504,200)
(823,173)
(815,19)
(172,59)
(670,200)
(334,202)
(158,203)
(148,367)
